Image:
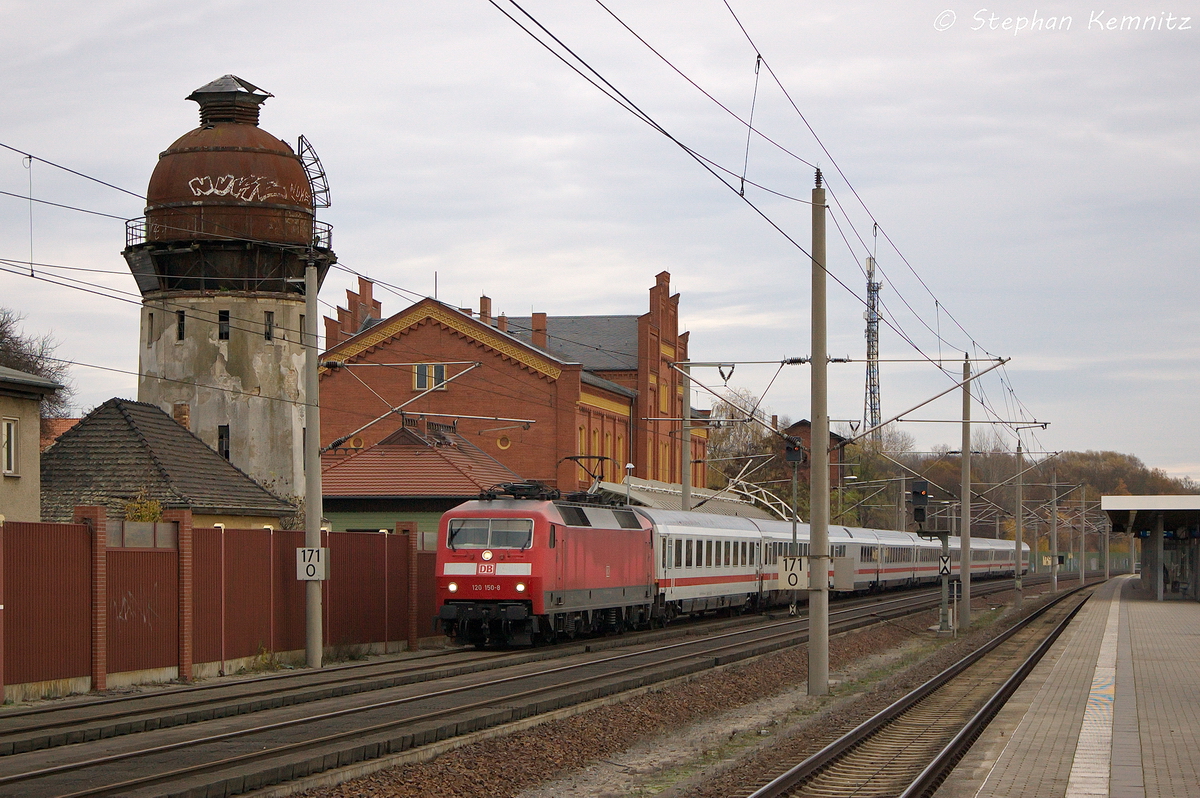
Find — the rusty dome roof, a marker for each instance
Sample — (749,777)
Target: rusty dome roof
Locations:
(229,178)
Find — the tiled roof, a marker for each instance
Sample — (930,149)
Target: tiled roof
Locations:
(409,465)
(124,447)
(598,343)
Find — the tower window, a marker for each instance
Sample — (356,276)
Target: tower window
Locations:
(180,324)
(223,325)
(429,375)
(269,325)
(149,329)
(223,440)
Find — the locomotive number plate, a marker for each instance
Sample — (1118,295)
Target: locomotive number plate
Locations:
(487,586)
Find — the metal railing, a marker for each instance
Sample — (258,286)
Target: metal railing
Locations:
(136,235)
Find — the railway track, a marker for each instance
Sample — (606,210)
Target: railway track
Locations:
(66,723)
(264,733)
(908,748)
(238,753)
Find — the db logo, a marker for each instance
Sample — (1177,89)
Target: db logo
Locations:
(487,568)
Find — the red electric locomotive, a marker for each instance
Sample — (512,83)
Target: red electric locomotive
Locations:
(515,567)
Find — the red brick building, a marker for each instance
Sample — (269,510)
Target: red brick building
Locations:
(802,430)
(530,391)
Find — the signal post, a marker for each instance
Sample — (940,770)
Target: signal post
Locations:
(920,501)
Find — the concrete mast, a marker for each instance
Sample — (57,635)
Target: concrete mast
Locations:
(965,498)
(818,550)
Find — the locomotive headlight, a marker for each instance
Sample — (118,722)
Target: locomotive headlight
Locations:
(452,587)
(487,555)
(520,587)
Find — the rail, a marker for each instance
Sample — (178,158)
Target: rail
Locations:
(930,776)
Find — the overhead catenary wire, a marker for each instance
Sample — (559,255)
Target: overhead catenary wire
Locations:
(894,325)
(876,228)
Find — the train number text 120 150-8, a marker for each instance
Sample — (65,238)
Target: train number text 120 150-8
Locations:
(487,586)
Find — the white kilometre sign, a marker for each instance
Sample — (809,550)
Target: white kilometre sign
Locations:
(793,573)
(312,564)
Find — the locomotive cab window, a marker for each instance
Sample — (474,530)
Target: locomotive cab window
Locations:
(493,533)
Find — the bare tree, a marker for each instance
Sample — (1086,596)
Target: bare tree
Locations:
(35,354)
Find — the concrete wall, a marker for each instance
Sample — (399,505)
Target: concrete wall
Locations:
(252,384)
(21,491)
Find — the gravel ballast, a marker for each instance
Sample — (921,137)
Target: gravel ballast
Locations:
(703,736)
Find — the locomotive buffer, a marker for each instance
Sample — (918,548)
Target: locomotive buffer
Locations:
(920,501)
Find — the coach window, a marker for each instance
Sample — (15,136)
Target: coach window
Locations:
(708,558)
(666,549)
(678,553)
(688,554)
(728,552)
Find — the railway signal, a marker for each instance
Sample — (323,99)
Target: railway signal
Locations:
(920,498)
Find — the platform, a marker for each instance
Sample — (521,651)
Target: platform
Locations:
(1113,709)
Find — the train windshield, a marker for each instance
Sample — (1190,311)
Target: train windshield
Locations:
(493,533)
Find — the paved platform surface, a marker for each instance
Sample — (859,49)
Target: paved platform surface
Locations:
(1112,710)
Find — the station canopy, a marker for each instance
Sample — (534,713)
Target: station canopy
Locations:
(1140,513)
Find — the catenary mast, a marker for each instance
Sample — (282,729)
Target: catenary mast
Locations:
(872,416)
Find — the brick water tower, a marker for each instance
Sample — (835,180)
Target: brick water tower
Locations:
(220,258)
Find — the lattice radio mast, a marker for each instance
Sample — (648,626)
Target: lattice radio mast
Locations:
(871,412)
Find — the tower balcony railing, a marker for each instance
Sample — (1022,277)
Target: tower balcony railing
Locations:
(135,234)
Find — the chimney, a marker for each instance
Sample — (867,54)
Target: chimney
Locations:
(502,323)
(182,413)
(485,309)
(539,330)
(466,311)
(774,421)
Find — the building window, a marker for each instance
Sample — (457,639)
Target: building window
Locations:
(8,446)
(269,325)
(149,329)
(223,440)
(223,325)
(429,375)
(180,324)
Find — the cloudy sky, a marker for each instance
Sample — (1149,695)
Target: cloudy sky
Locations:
(1032,168)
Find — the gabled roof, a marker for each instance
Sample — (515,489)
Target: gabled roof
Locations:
(598,343)
(432,311)
(409,465)
(124,447)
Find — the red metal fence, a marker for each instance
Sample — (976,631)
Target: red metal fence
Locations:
(249,602)
(245,599)
(143,609)
(47,612)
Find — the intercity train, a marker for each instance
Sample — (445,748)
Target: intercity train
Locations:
(517,571)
